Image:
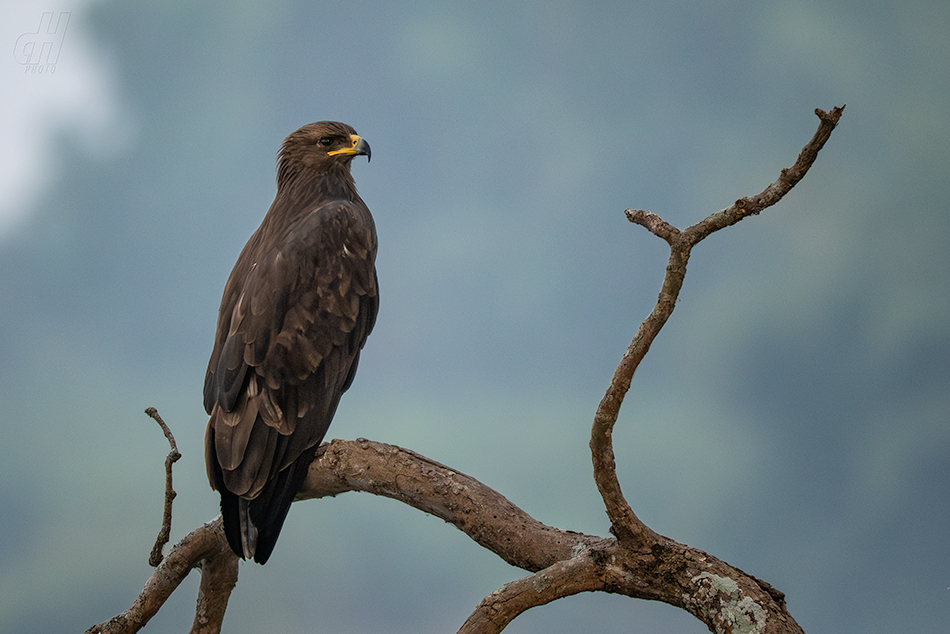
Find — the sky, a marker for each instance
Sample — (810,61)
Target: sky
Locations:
(792,418)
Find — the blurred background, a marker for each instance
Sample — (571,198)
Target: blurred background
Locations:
(793,418)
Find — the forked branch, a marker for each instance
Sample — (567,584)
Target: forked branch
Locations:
(624,523)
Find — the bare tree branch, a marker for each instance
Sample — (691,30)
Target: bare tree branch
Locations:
(564,578)
(666,571)
(219,575)
(624,523)
(173,456)
(479,511)
(753,205)
(723,597)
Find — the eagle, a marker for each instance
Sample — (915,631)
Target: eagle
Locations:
(295,314)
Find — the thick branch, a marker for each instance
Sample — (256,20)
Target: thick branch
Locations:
(219,575)
(475,509)
(724,598)
(715,592)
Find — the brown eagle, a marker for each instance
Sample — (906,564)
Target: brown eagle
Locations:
(295,314)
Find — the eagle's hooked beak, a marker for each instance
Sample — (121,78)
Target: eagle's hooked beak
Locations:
(359,148)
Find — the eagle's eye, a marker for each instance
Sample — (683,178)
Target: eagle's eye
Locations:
(326,141)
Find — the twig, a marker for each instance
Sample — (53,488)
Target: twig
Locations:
(788,178)
(155,557)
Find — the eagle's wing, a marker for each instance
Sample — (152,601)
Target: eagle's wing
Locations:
(296,312)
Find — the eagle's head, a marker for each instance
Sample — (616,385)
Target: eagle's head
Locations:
(319,148)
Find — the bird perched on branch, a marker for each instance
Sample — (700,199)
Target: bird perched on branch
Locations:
(296,311)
